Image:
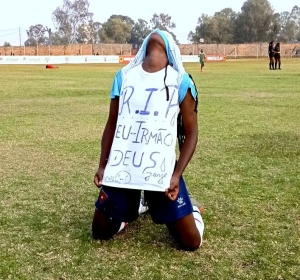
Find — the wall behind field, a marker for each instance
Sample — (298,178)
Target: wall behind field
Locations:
(239,50)
(101,49)
(229,50)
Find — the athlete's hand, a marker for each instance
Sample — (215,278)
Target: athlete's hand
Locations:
(98,177)
(173,190)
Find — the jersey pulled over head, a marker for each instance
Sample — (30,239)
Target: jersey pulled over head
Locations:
(170,47)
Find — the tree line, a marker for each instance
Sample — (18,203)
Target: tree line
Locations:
(74,24)
(256,22)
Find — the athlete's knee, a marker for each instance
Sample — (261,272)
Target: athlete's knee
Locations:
(191,243)
(103,227)
(188,238)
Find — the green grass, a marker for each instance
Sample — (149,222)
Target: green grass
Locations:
(246,171)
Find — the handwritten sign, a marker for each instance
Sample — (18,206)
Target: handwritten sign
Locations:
(143,150)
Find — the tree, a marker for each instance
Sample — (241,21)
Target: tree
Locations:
(50,34)
(117,29)
(209,30)
(89,33)
(284,18)
(295,15)
(240,30)
(57,39)
(125,19)
(206,29)
(290,24)
(70,17)
(216,29)
(257,16)
(163,22)
(139,31)
(6,44)
(283,21)
(200,32)
(294,23)
(275,27)
(226,25)
(36,35)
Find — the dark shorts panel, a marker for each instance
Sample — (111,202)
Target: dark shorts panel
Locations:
(163,210)
(119,204)
(123,204)
(271,55)
(277,56)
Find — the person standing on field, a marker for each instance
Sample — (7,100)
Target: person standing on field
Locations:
(277,56)
(271,55)
(201,59)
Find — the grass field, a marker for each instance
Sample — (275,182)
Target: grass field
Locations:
(246,172)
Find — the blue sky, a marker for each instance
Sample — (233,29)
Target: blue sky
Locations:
(23,13)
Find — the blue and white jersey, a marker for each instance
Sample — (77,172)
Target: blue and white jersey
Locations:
(143,155)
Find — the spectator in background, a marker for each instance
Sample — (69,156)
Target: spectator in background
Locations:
(271,55)
(201,59)
(277,56)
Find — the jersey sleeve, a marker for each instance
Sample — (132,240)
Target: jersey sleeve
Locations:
(186,83)
(116,86)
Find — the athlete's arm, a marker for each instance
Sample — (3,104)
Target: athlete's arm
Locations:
(190,122)
(107,139)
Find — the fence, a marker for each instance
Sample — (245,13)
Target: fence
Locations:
(228,50)
(239,50)
(101,49)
